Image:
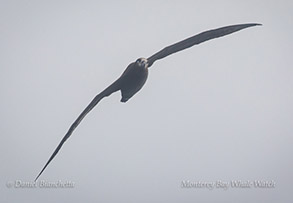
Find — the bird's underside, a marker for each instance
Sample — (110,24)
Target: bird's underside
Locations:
(135,75)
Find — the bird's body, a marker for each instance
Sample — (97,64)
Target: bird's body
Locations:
(133,79)
(135,75)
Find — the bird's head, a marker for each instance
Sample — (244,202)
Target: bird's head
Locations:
(142,62)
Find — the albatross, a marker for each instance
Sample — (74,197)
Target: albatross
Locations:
(135,75)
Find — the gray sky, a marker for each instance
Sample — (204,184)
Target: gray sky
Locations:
(219,111)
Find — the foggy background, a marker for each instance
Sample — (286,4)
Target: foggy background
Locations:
(218,111)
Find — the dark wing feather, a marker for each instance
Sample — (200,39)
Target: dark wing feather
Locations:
(109,90)
(197,39)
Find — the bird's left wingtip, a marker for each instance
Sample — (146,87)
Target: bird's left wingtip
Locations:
(253,24)
(256,24)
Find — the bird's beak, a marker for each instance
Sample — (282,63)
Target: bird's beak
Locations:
(144,64)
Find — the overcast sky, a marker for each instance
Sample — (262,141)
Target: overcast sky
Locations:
(220,111)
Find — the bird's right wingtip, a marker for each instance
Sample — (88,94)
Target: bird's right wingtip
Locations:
(38,176)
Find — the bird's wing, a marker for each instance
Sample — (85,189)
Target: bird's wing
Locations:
(109,90)
(197,39)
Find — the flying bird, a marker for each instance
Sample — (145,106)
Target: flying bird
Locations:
(135,75)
